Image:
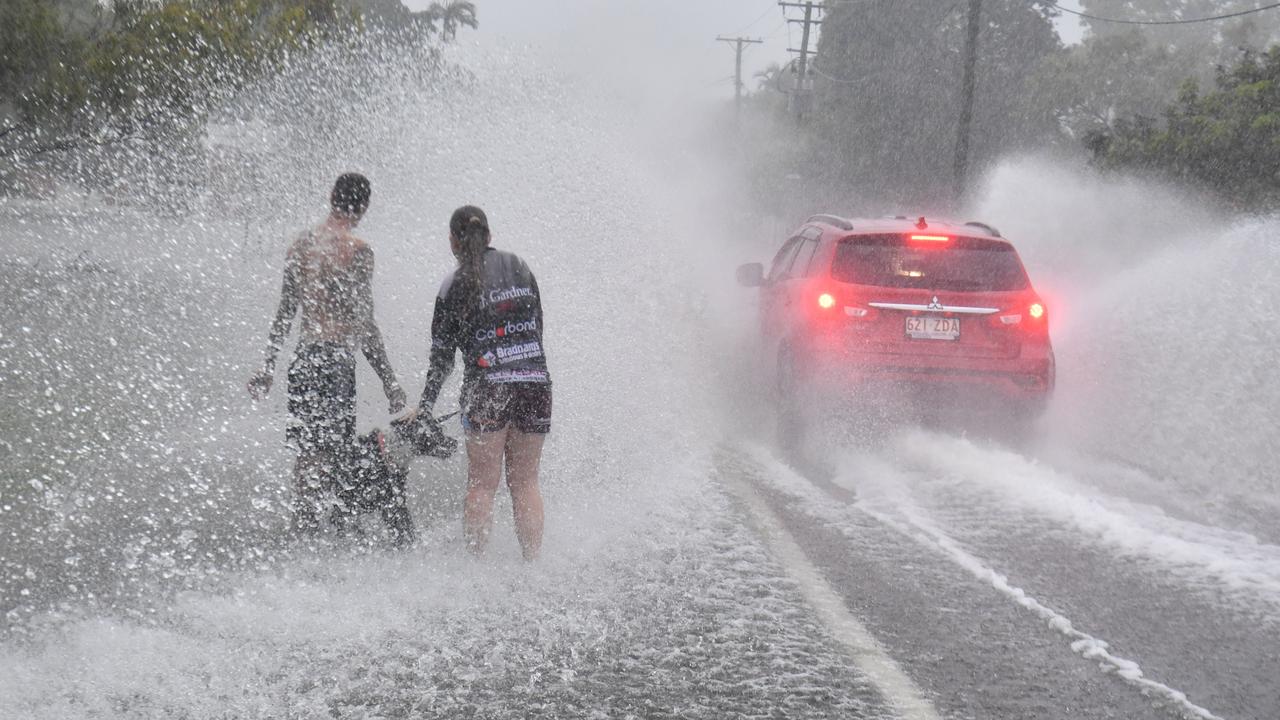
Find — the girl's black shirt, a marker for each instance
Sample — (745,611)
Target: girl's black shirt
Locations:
(497,326)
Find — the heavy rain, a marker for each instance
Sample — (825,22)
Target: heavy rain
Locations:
(910,359)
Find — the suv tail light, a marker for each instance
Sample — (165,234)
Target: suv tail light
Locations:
(1031,318)
(831,304)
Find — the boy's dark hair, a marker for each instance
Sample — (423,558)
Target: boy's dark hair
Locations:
(350,194)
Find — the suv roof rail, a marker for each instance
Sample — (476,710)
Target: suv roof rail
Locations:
(984,226)
(835,220)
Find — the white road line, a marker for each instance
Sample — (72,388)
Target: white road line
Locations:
(868,654)
(1084,644)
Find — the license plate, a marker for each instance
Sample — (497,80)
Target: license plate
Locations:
(924,327)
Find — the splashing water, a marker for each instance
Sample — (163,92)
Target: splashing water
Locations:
(143,494)
(1165,356)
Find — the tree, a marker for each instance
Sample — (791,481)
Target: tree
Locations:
(391,13)
(452,17)
(1226,141)
(1177,52)
(1110,76)
(121,95)
(770,78)
(887,92)
(138,85)
(1255,30)
(36,38)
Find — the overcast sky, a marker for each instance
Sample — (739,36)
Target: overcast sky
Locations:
(670,39)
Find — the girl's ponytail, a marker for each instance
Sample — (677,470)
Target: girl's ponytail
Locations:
(470,228)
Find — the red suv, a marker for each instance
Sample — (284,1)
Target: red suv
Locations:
(936,312)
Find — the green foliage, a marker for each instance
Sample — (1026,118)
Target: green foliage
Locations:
(452,16)
(888,84)
(1209,41)
(1226,141)
(886,96)
(34,41)
(1108,76)
(94,94)
(162,63)
(1126,70)
(771,77)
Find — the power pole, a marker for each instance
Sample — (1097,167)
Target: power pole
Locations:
(800,98)
(739,42)
(966,100)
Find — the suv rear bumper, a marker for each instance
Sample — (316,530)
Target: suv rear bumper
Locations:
(1024,380)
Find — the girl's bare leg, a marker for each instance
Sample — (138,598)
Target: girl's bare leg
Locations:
(484,471)
(524,453)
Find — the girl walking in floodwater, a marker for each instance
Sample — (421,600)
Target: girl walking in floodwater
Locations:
(490,310)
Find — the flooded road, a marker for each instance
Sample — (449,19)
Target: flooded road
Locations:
(1124,565)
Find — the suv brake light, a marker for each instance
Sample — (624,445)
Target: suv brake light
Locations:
(1034,317)
(827,302)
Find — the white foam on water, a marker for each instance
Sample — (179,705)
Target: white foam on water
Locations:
(1082,643)
(673,606)
(891,504)
(1159,313)
(872,657)
(946,472)
(184,603)
(561,186)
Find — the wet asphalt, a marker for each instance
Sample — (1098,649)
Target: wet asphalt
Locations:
(695,618)
(977,654)
(1225,655)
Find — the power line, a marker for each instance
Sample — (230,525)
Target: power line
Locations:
(755,22)
(830,78)
(1189,21)
(813,65)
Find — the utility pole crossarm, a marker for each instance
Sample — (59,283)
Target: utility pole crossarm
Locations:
(809,21)
(739,43)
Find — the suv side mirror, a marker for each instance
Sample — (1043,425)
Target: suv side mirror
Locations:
(751,275)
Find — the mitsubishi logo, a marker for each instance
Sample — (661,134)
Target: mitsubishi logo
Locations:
(934,304)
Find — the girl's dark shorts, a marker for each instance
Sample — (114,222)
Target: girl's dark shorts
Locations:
(490,407)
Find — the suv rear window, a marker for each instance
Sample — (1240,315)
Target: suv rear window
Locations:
(963,264)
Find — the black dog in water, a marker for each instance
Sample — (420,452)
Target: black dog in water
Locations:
(373,479)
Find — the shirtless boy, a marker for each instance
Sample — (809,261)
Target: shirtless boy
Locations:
(329,275)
